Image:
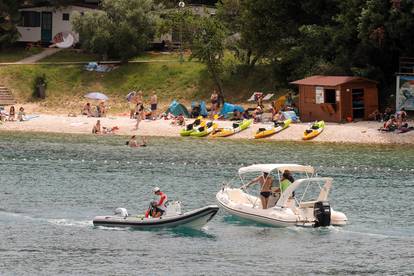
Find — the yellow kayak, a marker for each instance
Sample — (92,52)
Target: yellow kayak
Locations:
(268,131)
(314,130)
(237,127)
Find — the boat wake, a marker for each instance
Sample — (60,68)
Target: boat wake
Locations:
(71,222)
(16,214)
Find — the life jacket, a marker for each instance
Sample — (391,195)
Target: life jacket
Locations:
(162,202)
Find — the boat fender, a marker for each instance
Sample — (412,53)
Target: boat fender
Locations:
(322,213)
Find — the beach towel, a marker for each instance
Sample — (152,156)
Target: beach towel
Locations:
(76,124)
(30,117)
(91,66)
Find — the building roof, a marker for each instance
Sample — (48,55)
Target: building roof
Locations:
(90,5)
(330,80)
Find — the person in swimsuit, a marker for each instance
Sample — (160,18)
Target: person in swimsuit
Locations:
(214,103)
(154,103)
(132,142)
(12,113)
(285,182)
(266,182)
(97,128)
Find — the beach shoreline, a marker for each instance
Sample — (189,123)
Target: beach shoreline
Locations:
(364,132)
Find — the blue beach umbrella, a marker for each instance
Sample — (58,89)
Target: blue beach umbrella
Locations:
(96,96)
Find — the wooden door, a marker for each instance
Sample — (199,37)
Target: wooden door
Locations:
(46,27)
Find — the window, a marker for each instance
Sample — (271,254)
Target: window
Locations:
(30,19)
(65,17)
(330,96)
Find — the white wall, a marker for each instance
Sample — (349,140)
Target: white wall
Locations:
(33,34)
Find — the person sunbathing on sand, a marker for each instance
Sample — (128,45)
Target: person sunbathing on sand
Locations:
(87,110)
(390,125)
(179,120)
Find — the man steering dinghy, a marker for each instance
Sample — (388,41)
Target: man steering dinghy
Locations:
(159,215)
(157,209)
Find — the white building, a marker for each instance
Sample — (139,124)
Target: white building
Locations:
(41,24)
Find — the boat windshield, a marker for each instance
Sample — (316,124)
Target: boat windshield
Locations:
(307,190)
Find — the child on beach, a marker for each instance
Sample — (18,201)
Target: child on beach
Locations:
(21,115)
(12,114)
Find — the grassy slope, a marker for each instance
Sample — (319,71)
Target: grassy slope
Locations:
(171,80)
(70,55)
(16,54)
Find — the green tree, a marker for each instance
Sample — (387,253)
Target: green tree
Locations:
(9,17)
(207,45)
(123,29)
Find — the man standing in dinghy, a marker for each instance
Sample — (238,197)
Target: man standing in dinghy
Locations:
(160,207)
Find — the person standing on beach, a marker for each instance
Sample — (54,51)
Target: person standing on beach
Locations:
(139,114)
(214,102)
(139,97)
(132,104)
(154,103)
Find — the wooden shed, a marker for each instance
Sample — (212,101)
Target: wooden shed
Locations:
(336,98)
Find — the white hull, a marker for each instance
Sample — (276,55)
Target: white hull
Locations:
(248,207)
(195,219)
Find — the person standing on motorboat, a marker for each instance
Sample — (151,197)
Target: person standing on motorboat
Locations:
(266,182)
(160,207)
(285,181)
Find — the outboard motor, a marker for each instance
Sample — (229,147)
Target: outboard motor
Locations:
(322,213)
(122,212)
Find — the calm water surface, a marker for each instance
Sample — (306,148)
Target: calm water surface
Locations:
(51,186)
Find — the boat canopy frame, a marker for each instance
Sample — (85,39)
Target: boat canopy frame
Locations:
(280,168)
(323,194)
(268,168)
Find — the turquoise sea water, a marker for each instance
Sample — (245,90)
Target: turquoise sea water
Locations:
(51,186)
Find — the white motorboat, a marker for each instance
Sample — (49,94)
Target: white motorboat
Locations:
(173,217)
(293,207)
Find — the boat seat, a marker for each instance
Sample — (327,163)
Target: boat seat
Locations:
(274,197)
(239,197)
(307,204)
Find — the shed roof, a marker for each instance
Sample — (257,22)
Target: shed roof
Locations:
(330,80)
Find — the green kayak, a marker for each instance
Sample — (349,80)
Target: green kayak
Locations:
(204,130)
(190,128)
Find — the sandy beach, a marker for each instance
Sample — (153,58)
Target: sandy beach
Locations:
(359,132)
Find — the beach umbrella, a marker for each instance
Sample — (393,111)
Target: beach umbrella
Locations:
(96,96)
(130,95)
